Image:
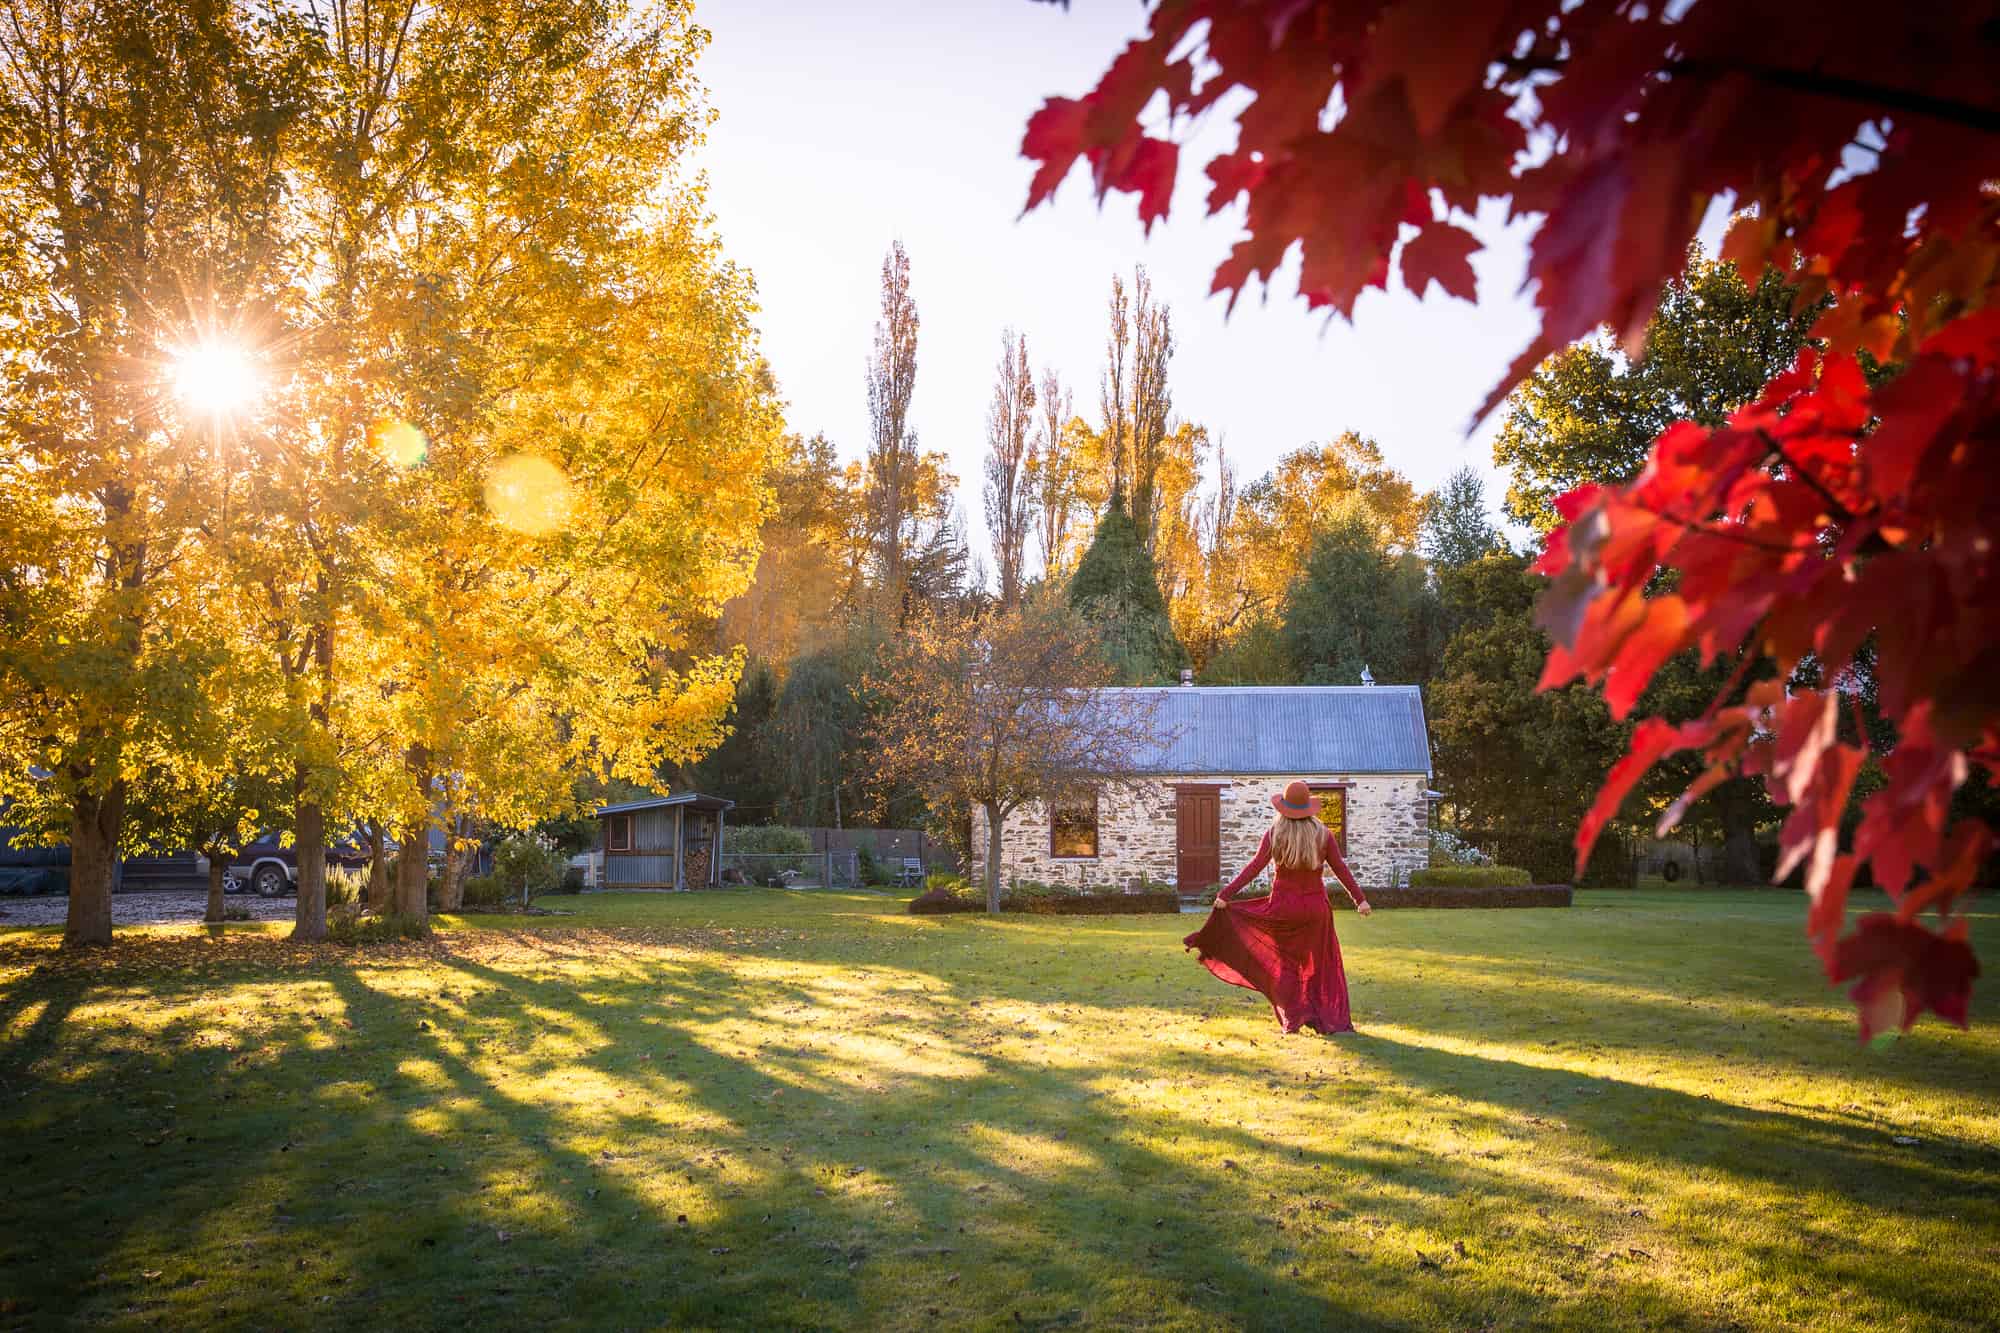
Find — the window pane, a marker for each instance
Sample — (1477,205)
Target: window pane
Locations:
(1073,828)
(1332,803)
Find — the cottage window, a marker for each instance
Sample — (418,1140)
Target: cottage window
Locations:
(1332,803)
(618,833)
(1073,827)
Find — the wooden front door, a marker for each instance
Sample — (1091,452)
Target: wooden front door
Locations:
(1198,838)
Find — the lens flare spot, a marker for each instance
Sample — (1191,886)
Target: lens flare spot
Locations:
(529,494)
(398,441)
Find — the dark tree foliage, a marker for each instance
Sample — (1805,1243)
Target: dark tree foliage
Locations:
(1589,414)
(741,768)
(1116,589)
(1357,605)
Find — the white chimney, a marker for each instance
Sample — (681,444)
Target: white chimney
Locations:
(1366,677)
(1187,678)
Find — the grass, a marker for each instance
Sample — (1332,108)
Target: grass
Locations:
(772,1109)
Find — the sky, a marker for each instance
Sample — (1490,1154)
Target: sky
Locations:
(843,127)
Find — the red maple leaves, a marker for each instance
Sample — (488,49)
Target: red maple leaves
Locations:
(1832,527)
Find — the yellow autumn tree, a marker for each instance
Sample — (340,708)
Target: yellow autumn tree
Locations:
(1279,514)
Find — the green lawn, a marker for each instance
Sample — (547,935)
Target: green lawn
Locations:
(772,1109)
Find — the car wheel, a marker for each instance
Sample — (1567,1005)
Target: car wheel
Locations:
(270,881)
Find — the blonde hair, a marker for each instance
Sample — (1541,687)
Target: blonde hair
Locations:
(1298,844)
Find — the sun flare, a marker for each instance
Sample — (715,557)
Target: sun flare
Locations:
(215,378)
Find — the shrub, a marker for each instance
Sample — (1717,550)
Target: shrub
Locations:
(571,881)
(944,879)
(950,893)
(1115,902)
(1449,849)
(483,891)
(934,901)
(525,868)
(768,840)
(1550,857)
(1532,895)
(1470,876)
(344,885)
(348,926)
(867,866)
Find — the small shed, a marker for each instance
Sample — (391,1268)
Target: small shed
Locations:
(663,842)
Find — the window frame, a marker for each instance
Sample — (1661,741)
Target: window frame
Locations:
(1320,789)
(1096,829)
(612,826)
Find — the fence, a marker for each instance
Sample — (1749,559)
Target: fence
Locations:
(832,869)
(889,846)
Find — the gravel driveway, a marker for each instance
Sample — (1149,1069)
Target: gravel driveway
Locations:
(140,909)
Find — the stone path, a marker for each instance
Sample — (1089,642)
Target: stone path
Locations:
(137,909)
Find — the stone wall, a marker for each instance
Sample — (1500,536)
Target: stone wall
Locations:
(1387,819)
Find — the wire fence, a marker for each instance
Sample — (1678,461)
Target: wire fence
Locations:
(831,869)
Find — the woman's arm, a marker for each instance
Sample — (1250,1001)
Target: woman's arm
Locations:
(1342,873)
(1249,872)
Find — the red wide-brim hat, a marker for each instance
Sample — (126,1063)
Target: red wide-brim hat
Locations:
(1294,802)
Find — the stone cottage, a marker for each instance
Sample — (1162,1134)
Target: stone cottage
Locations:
(1194,806)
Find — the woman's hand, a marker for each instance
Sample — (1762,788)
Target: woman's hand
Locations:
(1220,902)
(1363,909)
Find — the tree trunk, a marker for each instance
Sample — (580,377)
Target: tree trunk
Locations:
(1739,832)
(451,889)
(378,869)
(413,867)
(218,868)
(413,862)
(93,864)
(309,841)
(994,822)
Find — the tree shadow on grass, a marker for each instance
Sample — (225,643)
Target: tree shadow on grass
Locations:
(856,1134)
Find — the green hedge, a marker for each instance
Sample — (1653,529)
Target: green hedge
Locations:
(1470,877)
(942,900)
(1532,895)
(1093,904)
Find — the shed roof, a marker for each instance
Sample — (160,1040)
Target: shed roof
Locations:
(1285,729)
(693,798)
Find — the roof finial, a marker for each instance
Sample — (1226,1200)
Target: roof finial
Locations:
(1366,677)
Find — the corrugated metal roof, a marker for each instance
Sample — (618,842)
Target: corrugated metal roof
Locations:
(693,798)
(1284,729)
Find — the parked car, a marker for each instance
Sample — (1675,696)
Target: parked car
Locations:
(30,870)
(271,870)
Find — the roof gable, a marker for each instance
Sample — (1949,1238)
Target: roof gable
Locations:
(1285,729)
(693,798)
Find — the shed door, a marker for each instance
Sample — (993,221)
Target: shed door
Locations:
(1198,838)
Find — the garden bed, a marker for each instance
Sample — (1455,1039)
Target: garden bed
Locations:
(940,901)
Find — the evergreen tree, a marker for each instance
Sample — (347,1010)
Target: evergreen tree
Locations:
(1455,529)
(740,768)
(1116,589)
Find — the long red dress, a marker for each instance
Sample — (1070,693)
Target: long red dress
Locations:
(1283,945)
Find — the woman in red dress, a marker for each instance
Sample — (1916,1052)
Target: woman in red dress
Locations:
(1284,945)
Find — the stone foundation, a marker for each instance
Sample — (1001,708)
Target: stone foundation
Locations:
(1387,823)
